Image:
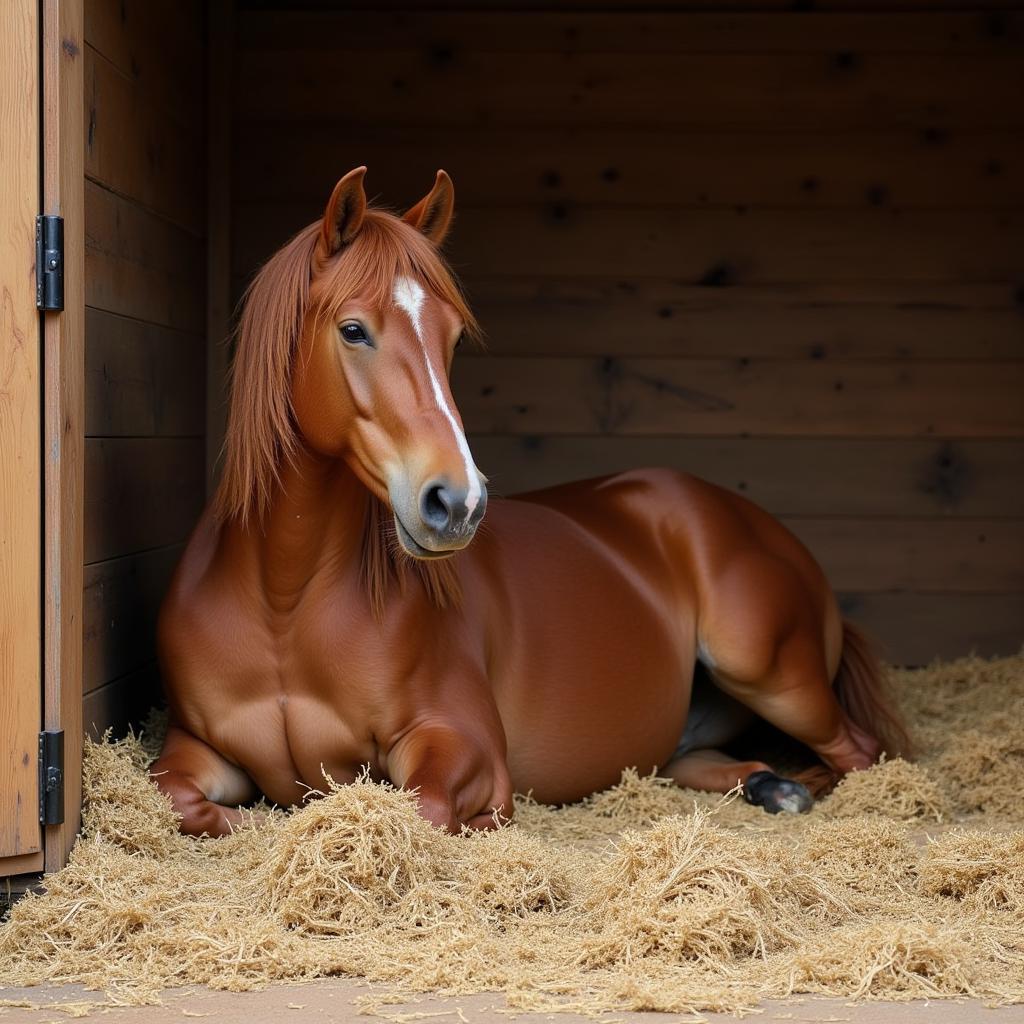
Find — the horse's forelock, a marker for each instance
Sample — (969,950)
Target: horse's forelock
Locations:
(386,249)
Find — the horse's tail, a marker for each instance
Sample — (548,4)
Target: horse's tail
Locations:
(862,692)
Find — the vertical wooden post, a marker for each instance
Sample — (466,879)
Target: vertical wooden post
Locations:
(20,484)
(220,46)
(64,406)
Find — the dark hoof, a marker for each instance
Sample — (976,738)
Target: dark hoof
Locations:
(776,794)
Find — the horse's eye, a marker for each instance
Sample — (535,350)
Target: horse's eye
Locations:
(354,334)
(460,340)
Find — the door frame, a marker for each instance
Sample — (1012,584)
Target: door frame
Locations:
(59,41)
(21,484)
(63,181)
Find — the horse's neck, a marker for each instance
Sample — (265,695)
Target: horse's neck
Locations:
(316,519)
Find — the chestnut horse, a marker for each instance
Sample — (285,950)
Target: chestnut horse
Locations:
(330,611)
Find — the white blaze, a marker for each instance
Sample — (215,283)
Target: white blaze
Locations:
(409,295)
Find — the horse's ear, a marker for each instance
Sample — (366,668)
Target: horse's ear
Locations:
(433,213)
(345,211)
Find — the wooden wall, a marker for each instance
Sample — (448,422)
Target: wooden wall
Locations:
(145,321)
(781,249)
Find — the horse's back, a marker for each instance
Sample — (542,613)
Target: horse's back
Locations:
(747,578)
(705,525)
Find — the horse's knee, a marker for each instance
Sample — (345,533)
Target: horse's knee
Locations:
(199,816)
(439,810)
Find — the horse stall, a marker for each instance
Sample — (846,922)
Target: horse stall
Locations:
(777,245)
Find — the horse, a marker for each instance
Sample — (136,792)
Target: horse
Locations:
(339,608)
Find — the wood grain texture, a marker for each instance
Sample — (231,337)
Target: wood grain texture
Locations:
(885,398)
(880,555)
(733,246)
(140,493)
(141,379)
(122,703)
(778,248)
(646,317)
(443,35)
(789,476)
(220,54)
(64,416)
(20,428)
(915,628)
(816,91)
(640,317)
(687,6)
(145,197)
(158,44)
(138,150)
(122,599)
(278,160)
(139,265)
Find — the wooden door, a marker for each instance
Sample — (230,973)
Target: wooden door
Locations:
(21,838)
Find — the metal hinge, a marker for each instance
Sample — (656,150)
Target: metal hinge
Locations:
(49,262)
(51,777)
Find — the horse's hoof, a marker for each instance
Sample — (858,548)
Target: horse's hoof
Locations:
(776,794)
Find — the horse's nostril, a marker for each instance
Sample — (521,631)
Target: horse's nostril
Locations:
(435,507)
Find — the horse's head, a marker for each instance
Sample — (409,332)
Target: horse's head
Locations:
(372,317)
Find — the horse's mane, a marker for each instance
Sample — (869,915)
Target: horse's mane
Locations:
(261,431)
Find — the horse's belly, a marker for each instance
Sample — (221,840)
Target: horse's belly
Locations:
(593,696)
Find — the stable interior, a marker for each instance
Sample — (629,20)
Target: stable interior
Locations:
(777,248)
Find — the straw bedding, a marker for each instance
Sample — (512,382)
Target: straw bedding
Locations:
(906,882)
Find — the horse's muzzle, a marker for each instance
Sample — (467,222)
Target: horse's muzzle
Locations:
(448,517)
(450,512)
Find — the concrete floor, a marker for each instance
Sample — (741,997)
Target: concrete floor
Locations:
(333,1000)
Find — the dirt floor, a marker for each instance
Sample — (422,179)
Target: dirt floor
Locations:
(335,999)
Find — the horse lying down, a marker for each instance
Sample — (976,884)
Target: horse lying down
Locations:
(340,604)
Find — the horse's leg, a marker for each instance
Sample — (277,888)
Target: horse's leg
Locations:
(796,696)
(715,772)
(458,779)
(204,788)
(767,649)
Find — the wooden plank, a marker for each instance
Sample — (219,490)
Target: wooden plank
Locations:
(137,150)
(140,493)
(442,35)
(27,863)
(283,161)
(122,703)
(749,245)
(122,600)
(792,476)
(719,91)
(737,6)
(142,379)
(951,556)
(140,265)
(914,629)
(664,317)
(64,417)
(20,421)
(885,398)
(742,246)
(158,44)
(220,43)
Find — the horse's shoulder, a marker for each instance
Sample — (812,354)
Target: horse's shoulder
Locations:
(184,607)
